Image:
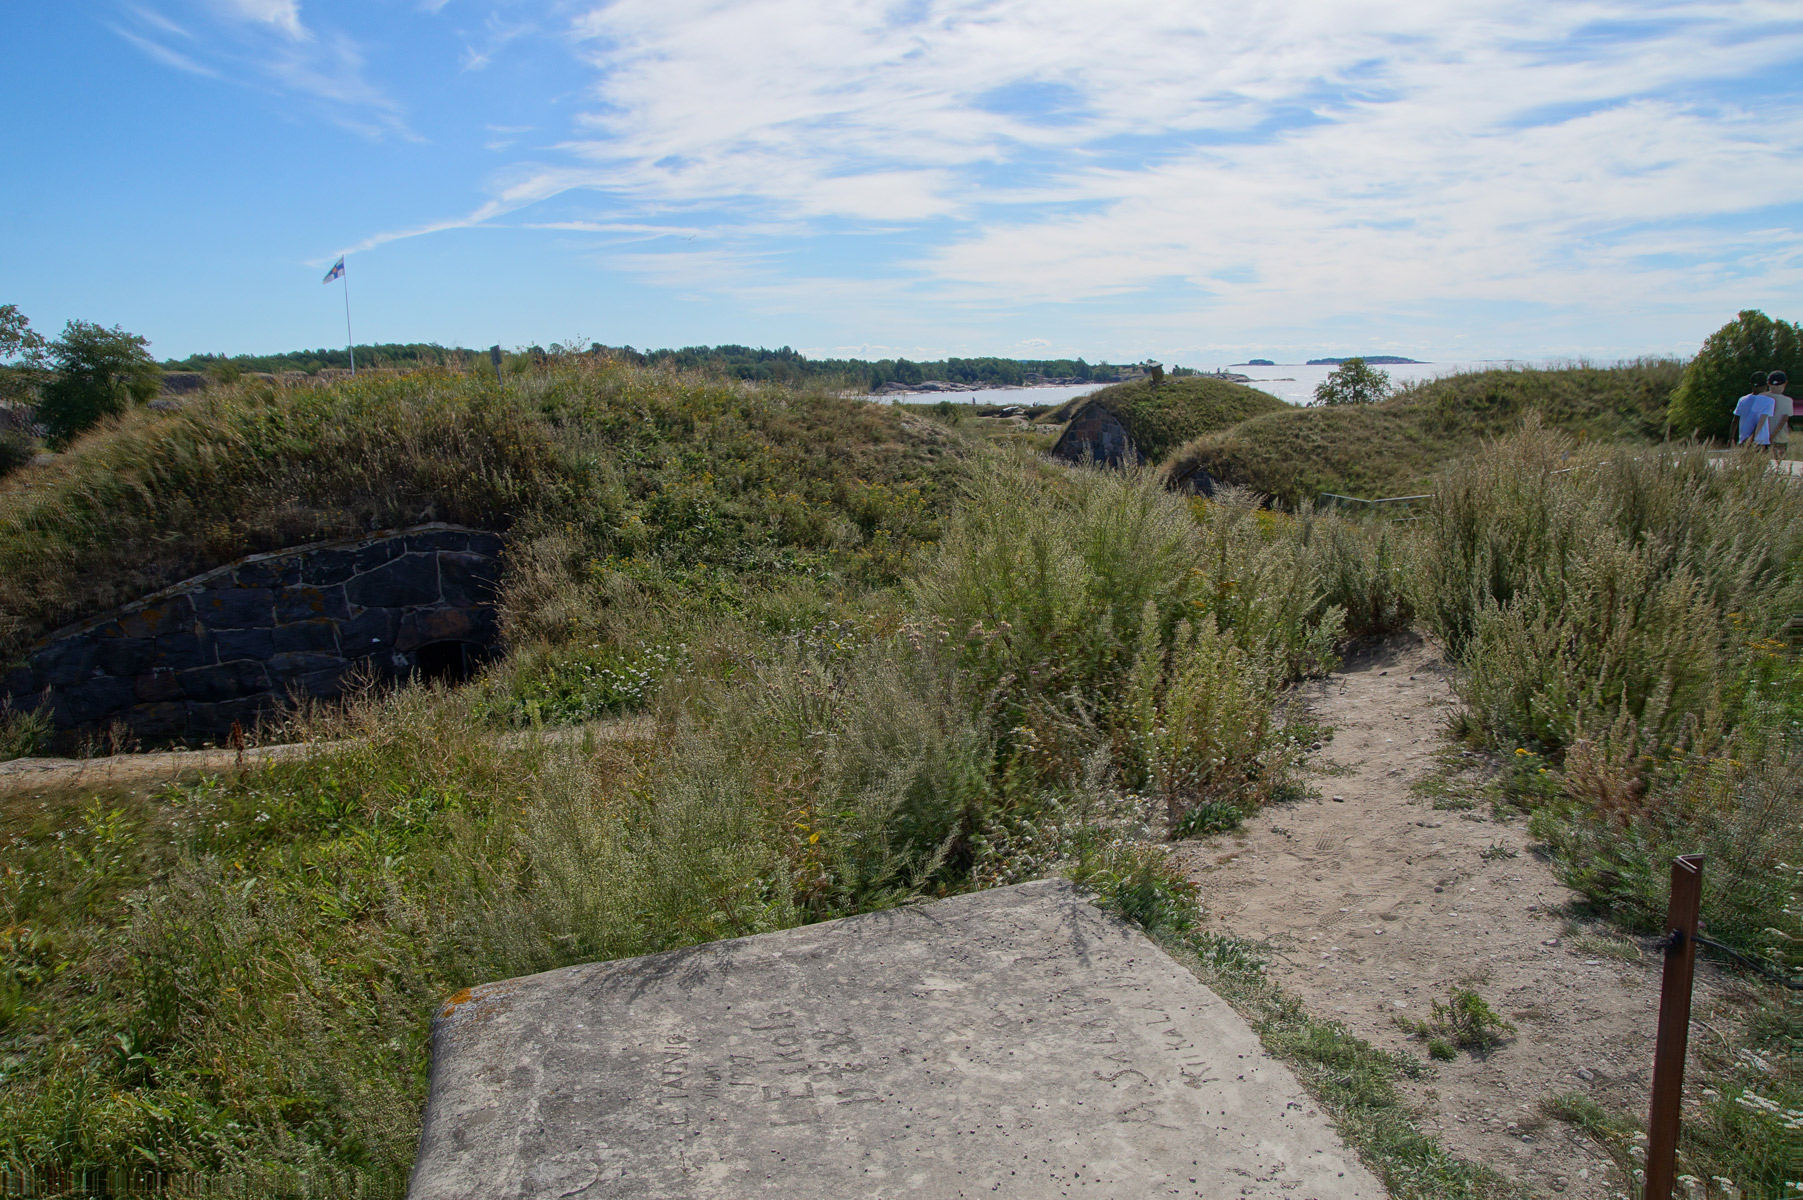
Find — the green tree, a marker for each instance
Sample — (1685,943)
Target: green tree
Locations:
(21,356)
(1722,372)
(100,373)
(1355,382)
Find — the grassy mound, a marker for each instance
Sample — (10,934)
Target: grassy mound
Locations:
(1159,419)
(672,474)
(1396,447)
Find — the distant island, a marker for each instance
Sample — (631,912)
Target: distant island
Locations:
(1260,362)
(1382,360)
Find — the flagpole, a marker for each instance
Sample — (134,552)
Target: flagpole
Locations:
(350,343)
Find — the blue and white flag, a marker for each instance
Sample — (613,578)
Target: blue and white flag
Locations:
(336,271)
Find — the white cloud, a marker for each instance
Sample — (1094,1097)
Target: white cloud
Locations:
(264,44)
(281,14)
(1314,154)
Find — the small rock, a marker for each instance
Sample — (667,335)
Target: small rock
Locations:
(1585,1073)
(1547,942)
(1339,799)
(1439,889)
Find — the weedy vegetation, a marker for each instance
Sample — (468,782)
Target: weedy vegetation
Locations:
(869,658)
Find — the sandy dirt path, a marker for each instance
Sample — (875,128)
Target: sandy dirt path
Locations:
(154,767)
(1377,904)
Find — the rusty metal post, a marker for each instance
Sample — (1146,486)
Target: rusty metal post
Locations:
(1674,1025)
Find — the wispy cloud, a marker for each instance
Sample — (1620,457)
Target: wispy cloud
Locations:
(265,43)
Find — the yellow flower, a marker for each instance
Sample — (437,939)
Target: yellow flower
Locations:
(1520,750)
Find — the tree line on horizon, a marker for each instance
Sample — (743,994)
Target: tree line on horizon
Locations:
(753,364)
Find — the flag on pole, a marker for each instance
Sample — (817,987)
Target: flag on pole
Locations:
(336,271)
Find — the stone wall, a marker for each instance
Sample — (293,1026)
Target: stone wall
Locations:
(245,640)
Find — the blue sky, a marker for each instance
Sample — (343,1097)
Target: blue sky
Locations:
(1197,182)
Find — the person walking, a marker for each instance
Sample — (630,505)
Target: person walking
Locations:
(1782,410)
(1753,411)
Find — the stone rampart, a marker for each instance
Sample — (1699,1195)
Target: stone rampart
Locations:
(246,639)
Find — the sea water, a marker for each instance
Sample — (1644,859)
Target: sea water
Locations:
(1292,382)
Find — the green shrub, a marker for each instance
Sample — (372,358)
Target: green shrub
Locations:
(1099,609)
(22,732)
(97,373)
(1353,382)
(1465,1021)
(1721,373)
(1580,591)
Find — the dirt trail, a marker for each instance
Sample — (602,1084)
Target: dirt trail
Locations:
(137,770)
(1378,904)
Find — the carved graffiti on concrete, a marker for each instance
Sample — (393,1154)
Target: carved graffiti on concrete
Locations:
(243,641)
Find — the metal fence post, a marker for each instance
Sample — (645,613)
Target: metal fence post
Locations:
(1674,1025)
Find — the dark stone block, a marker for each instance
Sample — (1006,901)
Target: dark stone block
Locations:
(20,682)
(166,720)
(66,662)
(211,683)
(124,656)
(325,567)
(236,608)
(232,644)
(438,539)
(157,686)
(216,719)
(319,637)
(285,666)
(106,629)
(489,545)
(368,558)
(270,573)
(156,620)
(368,632)
(180,651)
(445,625)
(92,701)
(321,685)
(408,580)
(468,579)
(307,602)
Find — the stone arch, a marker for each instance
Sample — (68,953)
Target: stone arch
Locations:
(243,641)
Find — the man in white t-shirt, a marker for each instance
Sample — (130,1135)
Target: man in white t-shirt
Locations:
(1782,410)
(1753,414)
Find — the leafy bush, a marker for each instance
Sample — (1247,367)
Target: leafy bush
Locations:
(97,373)
(1353,382)
(1721,373)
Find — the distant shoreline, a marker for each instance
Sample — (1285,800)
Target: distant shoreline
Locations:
(948,389)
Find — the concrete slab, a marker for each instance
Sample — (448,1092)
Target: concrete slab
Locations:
(1013,1043)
